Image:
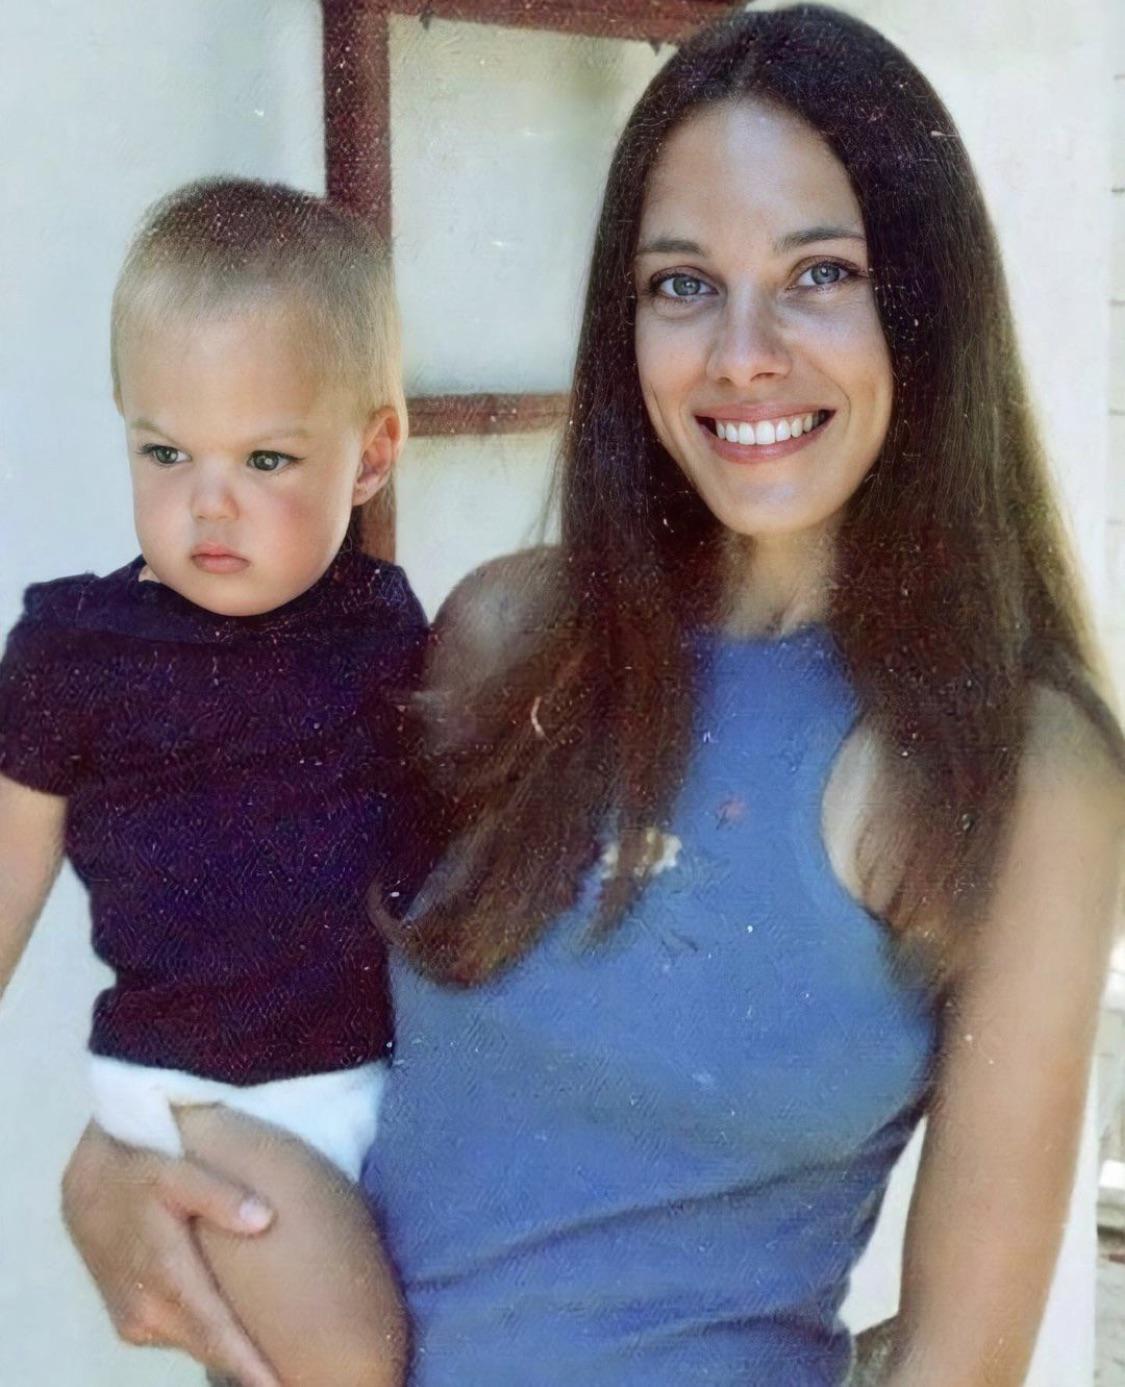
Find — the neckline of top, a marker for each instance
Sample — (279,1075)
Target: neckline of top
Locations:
(810,632)
(348,584)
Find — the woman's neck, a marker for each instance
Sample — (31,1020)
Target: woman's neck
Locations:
(773,585)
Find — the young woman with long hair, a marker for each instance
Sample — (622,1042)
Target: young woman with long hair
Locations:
(779,799)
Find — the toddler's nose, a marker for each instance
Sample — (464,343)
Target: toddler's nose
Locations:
(212,497)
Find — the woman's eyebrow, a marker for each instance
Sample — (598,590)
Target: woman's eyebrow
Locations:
(793,240)
(669,245)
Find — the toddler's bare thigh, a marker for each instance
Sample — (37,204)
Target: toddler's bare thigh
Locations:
(315,1292)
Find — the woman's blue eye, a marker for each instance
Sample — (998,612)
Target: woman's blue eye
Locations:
(161,453)
(825,274)
(680,286)
(269,462)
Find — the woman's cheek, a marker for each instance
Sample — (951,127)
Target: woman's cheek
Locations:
(661,422)
(854,337)
(668,366)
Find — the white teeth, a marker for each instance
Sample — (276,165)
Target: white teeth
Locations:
(768,430)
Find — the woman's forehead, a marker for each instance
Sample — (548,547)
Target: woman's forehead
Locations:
(747,156)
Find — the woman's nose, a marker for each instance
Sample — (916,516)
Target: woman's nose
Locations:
(748,342)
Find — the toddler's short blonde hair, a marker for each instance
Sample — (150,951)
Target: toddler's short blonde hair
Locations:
(222,244)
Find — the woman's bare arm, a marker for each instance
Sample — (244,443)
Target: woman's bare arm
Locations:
(487,622)
(998,1160)
(130,1215)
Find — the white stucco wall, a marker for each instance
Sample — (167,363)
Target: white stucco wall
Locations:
(1114,200)
(104,105)
(102,110)
(495,203)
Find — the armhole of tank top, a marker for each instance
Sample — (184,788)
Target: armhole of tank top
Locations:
(814,776)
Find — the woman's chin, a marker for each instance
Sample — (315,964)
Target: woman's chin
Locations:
(776,518)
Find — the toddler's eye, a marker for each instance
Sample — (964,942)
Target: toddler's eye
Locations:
(824,275)
(269,462)
(163,454)
(680,286)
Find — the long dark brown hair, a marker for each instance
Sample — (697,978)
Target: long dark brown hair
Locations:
(952,594)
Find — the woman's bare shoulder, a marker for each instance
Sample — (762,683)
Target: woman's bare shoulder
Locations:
(1059,876)
(1071,757)
(493,614)
(1073,744)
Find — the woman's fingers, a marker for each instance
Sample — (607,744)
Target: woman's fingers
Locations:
(193,1191)
(129,1213)
(200,1322)
(170,1300)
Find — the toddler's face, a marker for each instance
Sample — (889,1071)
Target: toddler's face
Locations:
(245,463)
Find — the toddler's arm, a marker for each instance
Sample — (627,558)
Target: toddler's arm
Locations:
(31,839)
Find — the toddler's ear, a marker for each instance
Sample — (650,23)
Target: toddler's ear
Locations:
(382,441)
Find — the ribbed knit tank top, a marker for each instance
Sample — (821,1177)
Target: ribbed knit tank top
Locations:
(652,1161)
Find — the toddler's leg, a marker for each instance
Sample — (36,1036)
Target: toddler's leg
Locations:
(315,1292)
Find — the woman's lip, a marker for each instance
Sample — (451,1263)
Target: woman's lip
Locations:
(747,454)
(755,414)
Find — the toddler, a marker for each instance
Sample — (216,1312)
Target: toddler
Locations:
(213,731)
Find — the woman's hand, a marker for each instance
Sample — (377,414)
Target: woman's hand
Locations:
(129,1213)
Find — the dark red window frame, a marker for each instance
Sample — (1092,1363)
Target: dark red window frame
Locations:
(358,156)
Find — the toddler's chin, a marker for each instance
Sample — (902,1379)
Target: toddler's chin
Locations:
(226,596)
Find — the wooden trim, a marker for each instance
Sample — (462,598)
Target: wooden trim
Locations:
(445,416)
(357,133)
(658,21)
(357,109)
(357,76)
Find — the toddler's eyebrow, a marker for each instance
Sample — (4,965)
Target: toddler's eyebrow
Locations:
(282,431)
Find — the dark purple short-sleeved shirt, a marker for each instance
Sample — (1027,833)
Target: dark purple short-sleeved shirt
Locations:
(233,785)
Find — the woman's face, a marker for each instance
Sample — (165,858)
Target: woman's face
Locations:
(760,354)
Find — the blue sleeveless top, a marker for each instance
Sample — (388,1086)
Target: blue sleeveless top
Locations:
(652,1161)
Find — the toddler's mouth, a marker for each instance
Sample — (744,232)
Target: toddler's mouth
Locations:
(213,558)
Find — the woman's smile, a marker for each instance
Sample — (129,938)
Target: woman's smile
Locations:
(762,434)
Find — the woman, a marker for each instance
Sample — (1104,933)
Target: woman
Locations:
(787,806)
